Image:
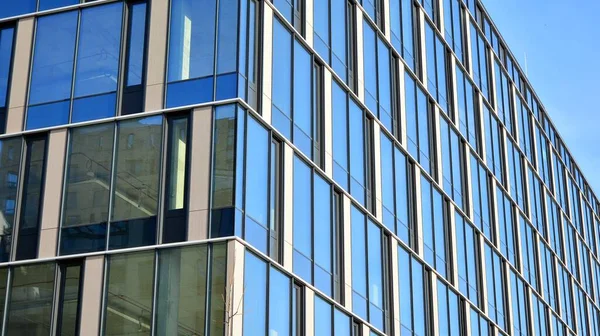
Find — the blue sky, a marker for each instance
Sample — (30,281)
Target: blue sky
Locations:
(561,40)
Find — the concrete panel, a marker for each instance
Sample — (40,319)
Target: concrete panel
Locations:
(309,321)
(154,99)
(200,158)
(198,225)
(15,119)
(157,42)
(157,57)
(235,287)
(91,296)
(199,187)
(48,241)
(57,144)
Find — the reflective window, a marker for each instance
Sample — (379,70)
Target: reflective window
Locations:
(548,276)
(32,193)
(520,305)
(87,188)
(430,8)
(524,125)
(377,65)
(503,98)
(255,294)
(257,185)
(515,173)
(452,162)
(565,294)
(199,71)
(129,294)
(30,302)
(367,269)
(505,226)
(528,252)
(453,31)
(402,30)
(303,228)
(479,59)
(374,9)
(293,11)
(349,144)
(135,65)
(434,226)
(6,56)
(297,93)
(394,168)
(175,222)
(540,316)
(448,308)
(554,233)
(480,197)
(436,67)
(279,303)
(14,8)
(138,157)
(323,317)
(467,113)
(70,283)
(53,100)
(494,275)
(334,36)
(418,121)
(412,290)
(10,160)
(493,143)
(467,248)
(479,325)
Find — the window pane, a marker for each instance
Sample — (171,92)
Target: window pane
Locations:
(69,309)
(137,38)
(192,39)
(279,303)
(29,312)
(10,159)
(224,135)
(13,8)
(99,50)
(302,209)
(129,294)
(88,175)
(50,4)
(322,317)
(6,47)
(182,290)
(137,169)
(52,71)
(255,295)
(178,137)
(32,198)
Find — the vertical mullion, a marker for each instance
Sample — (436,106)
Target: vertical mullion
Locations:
(6,300)
(164,172)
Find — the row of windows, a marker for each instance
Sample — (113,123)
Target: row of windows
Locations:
(80,91)
(164,292)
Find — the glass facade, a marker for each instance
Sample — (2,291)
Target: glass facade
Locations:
(283,167)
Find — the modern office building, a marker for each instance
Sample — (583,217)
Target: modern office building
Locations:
(283,168)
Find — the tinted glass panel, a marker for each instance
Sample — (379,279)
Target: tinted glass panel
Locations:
(129,294)
(10,158)
(31,314)
(32,199)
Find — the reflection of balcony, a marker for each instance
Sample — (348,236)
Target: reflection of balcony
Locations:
(128,188)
